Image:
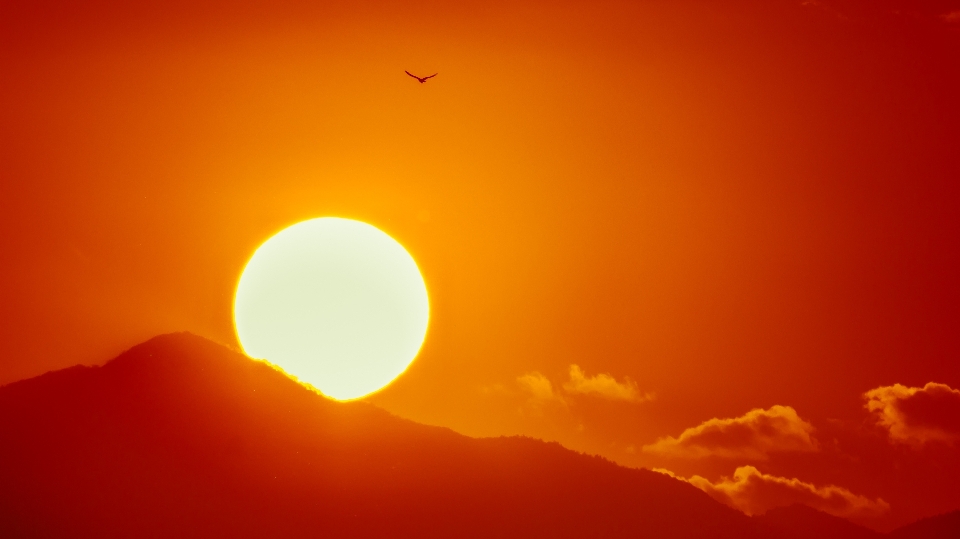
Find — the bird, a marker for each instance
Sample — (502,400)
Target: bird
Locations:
(421,79)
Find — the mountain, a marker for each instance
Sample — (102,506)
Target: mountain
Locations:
(946,526)
(181,437)
(799,521)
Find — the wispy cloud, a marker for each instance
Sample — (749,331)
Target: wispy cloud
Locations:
(539,388)
(754,492)
(917,415)
(605,386)
(753,435)
(537,385)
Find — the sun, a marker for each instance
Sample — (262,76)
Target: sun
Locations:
(335,302)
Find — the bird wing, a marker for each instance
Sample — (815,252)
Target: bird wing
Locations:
(431,76)
(411,74)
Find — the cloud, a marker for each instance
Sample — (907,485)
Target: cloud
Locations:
(540,390)
(952,17)
(754,493)
(753,435)
(917,415)
(604,385)
(537,385)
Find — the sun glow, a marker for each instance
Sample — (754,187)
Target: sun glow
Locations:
(335,302)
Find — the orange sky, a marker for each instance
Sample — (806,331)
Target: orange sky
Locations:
(734,204)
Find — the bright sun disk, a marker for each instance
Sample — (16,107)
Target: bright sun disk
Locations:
(335,302)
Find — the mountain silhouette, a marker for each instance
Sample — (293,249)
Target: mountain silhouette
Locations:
(800,521)
(946,526)
(181,437)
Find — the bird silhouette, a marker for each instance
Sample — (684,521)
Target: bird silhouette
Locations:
(421,79)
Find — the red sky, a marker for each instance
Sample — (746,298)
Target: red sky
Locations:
(735,205)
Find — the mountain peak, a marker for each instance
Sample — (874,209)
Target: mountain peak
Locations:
(182,437)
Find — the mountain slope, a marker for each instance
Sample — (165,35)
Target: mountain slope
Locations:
(946,526)
(180,437)
(799,521)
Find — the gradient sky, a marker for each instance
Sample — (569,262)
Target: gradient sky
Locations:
(722,206)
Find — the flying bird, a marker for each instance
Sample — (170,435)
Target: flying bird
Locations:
(421,79)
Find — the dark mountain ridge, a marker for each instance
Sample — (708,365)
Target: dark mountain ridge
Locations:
(181,437)
(799,521)
(945,526)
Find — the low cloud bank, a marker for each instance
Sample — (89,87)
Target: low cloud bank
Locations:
(753,435)
(754,493)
